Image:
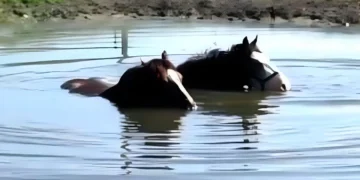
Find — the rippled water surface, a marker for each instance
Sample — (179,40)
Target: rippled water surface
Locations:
(311,132)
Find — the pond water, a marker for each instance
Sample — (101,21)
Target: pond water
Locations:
(311,132)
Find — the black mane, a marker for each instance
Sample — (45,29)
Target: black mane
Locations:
(220,70)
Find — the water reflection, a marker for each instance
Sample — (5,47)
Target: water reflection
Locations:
(152,136)
(156,129)
(159,122)
(235,121)
(226,136)
(245,105)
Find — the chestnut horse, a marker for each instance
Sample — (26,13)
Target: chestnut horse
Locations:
(155,83)
(242,66)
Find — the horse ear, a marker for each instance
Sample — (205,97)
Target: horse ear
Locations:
(231,48)
(254,41)
(142,62)
(245,41)
(164,55)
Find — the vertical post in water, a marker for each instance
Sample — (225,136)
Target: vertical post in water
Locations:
(115,40)
(124,41)
(115,37)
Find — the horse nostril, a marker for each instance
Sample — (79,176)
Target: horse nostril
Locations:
(283,87)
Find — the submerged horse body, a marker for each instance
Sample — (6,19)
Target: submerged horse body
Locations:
(155,83)
(243,65)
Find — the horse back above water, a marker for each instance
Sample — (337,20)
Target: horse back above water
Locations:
(242,66)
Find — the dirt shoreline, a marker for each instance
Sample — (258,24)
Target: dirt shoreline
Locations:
(311,13)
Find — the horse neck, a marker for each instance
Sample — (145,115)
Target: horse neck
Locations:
(210,66)
(225,65)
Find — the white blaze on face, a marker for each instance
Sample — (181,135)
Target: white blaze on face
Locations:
(174,76)
(276,83)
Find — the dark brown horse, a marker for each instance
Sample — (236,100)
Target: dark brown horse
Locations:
(155,83)
(244,65)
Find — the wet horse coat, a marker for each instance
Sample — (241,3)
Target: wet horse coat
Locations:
(155,83)
(244,65)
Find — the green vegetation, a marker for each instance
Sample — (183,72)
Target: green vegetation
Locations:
(30,2)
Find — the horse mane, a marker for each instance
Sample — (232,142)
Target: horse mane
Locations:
(205,55)
(198,56)
(209,54)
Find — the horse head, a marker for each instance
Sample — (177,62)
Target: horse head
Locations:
(153,83)
(263,74)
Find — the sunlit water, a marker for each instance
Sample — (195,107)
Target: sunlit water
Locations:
(311,132)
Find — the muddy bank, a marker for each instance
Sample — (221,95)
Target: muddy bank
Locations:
(306,12)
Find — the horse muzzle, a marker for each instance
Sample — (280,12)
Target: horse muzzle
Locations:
(193,107)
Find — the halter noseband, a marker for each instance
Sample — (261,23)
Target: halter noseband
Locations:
(262,82)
